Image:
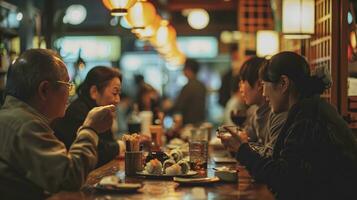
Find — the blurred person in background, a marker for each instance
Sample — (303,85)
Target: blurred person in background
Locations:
(148,98)
(191,102)
(101,87)
(33,162)
(235,105)
(228,79)
(315,155)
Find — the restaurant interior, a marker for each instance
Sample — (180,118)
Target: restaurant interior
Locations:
(149,42)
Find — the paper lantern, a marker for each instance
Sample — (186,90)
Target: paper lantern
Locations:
(267,43)
(142,14)
(298,18)
(118,7)
(164,34)
(148,31)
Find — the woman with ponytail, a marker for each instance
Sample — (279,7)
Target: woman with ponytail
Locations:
(315,154)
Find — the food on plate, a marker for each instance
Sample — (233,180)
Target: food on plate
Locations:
(174,169)
(176,154)
(169,166)
(185,167)
(168,163)
(161,156)
(154,167)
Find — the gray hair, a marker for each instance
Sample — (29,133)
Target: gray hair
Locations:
(30,69)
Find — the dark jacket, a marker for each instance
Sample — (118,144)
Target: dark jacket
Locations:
(191,102)
(314,156)
(66,128)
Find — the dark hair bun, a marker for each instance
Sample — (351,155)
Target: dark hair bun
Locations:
(320,81)
(316,86)
(323,73)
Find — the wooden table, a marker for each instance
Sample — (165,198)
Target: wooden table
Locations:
(245,188)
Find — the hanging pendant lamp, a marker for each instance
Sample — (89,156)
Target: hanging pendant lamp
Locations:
(118,7)
(164,34)
(142,14)
(149,31)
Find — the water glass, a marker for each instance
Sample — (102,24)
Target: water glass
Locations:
(198,151)
(199,134)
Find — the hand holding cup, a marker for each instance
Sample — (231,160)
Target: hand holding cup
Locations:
(232,137)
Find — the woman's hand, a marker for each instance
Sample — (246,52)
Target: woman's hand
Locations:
(233,139)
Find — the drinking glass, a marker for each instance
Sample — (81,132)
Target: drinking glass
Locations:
(198,151)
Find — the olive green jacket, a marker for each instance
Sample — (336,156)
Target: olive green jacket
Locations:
(33,161)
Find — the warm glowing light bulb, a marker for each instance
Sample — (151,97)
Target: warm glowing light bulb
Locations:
(198,18)
(267,43)
(75,14)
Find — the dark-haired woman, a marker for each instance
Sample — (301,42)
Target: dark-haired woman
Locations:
(315,154)
(101,87)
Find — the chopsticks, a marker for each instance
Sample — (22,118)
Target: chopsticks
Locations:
(132,142)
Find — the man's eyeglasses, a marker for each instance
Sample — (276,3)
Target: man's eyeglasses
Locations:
(71,87)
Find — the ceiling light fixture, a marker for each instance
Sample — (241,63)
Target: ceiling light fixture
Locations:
(164,34)
(118,7)
(267,43)
(198,18)
(150,30)
(298,18)
(75,14)
(141,14)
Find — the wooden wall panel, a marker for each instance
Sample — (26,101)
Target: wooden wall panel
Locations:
(321,49)
(255,15)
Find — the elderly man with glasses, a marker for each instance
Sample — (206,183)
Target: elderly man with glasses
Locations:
(33,162)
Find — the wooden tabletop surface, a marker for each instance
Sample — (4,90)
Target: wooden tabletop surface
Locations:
(244,188)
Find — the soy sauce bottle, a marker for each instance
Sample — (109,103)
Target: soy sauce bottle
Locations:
(134,121)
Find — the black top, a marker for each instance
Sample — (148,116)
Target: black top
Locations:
(191,102)
(314,156)
(66,130)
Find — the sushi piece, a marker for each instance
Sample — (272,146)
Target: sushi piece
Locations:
(154,167)
(174,169)
(185,167)
(176,155)
(168,163)
(161,156)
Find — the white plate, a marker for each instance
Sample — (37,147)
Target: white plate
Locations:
(145,173)
(205,180)
(121,187)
